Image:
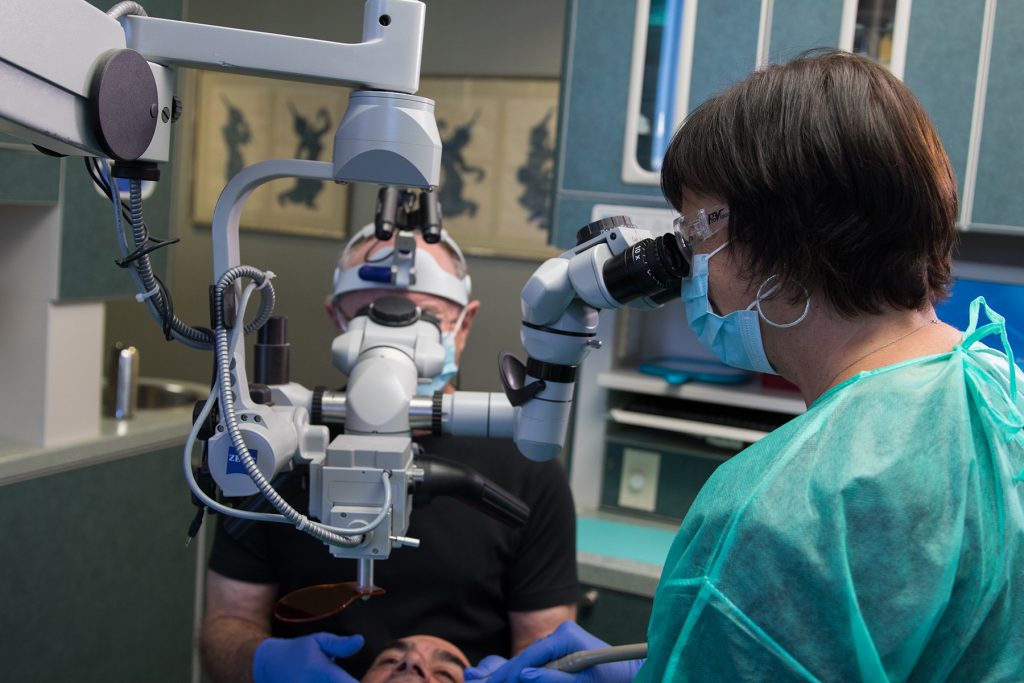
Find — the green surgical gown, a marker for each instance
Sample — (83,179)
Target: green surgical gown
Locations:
(877,537)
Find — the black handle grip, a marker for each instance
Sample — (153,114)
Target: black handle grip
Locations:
(447,478)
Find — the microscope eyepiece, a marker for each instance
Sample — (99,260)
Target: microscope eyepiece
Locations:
(430,217)
(652,268)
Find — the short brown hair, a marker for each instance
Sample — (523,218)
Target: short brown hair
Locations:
(835,177)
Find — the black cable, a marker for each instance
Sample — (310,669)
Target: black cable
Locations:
(143,250)
(148,245)
(378,259)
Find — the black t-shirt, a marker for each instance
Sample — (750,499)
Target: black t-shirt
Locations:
(468,573)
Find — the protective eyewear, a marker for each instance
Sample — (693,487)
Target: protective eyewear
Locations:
(694,232)
(319,602)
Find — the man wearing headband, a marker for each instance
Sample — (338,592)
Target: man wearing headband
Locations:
(442,288)
(485,587)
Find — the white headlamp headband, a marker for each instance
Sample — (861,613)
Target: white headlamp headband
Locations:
(375,273)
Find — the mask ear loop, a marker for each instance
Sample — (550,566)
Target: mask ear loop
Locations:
(761,295)
(454,332)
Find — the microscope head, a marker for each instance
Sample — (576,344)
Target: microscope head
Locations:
(388,138)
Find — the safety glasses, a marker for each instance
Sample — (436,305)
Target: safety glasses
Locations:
(694,232)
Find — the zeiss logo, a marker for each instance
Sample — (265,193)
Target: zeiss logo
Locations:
(235,465)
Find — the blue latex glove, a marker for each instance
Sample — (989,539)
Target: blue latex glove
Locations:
(307,659)
(566,639)
(487,666)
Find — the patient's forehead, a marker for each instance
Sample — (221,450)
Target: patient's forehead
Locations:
(369,249)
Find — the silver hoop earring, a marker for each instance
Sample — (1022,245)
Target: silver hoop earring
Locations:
(763,295)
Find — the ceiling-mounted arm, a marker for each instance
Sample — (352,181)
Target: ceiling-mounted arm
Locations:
(56,55)
(388,58)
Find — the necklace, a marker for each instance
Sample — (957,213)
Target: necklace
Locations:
(886,345)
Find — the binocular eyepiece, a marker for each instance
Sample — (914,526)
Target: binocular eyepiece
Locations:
(653,267)
(395,210)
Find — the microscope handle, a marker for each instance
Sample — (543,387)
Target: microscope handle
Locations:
(448,478)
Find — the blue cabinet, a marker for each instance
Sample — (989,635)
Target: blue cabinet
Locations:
(595,86)
(942,68)
(595,97)
(951,47)
(998,202)
(799,25)
(724,47)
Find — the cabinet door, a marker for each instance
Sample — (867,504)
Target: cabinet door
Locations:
(998,201)
(615,617)
(942,68)
(595,89)
(799,25)
(97,585)
(724,47)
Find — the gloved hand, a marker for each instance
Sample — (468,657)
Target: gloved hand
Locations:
(307,659)
(485,668)
(566,639)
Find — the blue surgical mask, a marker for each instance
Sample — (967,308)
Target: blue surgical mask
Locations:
(734,338)
(451,368)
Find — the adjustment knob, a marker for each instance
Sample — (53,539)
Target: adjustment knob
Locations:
(123,104)
(393,311)
(592,230)
(176,108)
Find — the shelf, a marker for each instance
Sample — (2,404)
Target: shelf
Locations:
(741,395)
(693,427)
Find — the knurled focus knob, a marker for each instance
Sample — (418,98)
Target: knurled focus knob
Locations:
(393,311)
(592,230)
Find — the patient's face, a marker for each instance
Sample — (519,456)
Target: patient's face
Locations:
(418,658)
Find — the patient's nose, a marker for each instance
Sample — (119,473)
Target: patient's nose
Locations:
(412,663)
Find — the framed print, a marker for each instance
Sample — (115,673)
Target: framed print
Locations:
(498,162)
(241,120)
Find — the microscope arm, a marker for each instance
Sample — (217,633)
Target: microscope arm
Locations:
(613,265)
(388,58)
(55,54)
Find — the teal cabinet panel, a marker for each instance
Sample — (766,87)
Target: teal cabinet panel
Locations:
(724,47)
(570,216)
(595,89)
(942,67)
(799,25)
(998,197)
(29,177)
(98,584)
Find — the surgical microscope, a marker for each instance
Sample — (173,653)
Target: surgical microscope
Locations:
(78,81)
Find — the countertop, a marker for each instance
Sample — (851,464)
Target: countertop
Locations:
(621,553)
(148,430)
